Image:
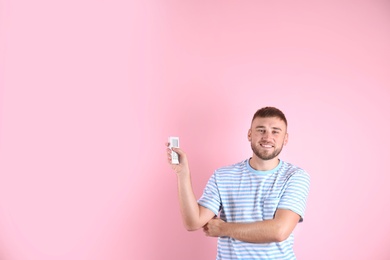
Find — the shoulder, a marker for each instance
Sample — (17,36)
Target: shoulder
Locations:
(290,170)
(232,169)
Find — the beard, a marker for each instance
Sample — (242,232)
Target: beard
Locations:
(266,155)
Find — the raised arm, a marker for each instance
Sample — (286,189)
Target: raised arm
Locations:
(193,215)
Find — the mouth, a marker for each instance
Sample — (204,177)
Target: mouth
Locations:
(266,145)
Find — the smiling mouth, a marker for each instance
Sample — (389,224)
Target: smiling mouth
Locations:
(266,145)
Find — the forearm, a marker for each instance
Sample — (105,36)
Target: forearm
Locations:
(257,232)
(274,230)
(189,207)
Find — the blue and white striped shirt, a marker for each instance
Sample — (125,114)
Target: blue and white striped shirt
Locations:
(241,194)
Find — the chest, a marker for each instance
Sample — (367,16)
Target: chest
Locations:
(250,198)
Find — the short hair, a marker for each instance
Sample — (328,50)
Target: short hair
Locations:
(270,112)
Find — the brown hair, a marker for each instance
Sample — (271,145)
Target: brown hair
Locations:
(270,112)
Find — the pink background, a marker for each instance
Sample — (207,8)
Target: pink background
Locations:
(90,91)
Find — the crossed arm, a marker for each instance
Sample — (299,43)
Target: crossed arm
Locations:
(274,230)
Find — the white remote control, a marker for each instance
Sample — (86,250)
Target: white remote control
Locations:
(174,142)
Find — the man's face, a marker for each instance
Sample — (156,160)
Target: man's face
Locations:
(267,135)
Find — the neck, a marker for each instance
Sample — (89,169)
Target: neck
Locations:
(263,165)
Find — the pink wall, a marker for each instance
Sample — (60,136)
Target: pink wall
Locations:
(90,91)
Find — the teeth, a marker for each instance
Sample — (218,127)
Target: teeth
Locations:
(266,145)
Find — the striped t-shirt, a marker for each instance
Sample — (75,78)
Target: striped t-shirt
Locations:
(242,194)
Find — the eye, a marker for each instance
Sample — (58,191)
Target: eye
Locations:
(275,132)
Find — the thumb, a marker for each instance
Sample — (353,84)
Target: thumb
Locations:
(177,150)
(181,153)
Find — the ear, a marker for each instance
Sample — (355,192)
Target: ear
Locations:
(285,139)
(249,135)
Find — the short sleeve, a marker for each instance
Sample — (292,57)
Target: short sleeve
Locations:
(211,198)
(295,195)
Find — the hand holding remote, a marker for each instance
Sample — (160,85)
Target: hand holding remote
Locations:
(177,159)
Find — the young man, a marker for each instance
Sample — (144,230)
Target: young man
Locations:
(259,201)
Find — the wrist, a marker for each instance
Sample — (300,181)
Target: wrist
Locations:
(225,229)
(183,176)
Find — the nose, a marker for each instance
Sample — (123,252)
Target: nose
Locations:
(265,135)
